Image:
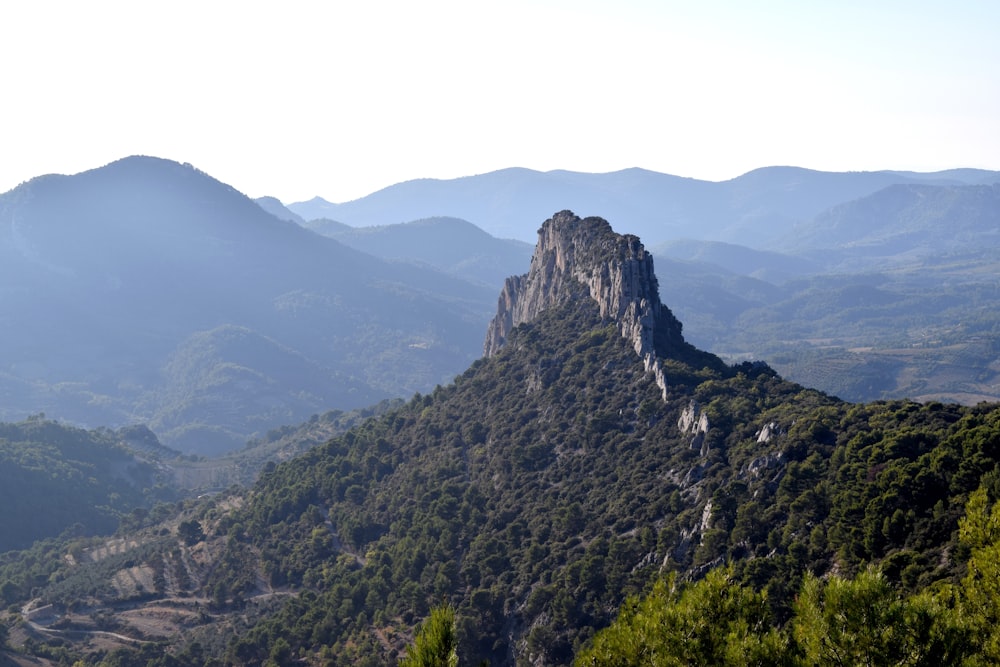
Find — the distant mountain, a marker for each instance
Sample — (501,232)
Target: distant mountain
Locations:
(764,266)
(753,209)
(315,209)
(148,291)
(274,206)
(966,175)
(452,245)
(902,224)
(326,227)
(888,295)
(774,267)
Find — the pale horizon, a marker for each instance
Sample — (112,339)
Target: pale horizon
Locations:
(307,100)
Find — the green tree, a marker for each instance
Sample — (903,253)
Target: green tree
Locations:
(980,531)
(435,644)
(711,622)
(191,532)
(281,653)
(864,621)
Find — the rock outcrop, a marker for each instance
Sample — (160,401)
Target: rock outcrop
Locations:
(694,424)
(580,258)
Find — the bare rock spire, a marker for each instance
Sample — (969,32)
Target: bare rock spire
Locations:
(580,258)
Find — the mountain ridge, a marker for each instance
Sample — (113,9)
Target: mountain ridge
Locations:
(450,244)
(113,275)
(751,209)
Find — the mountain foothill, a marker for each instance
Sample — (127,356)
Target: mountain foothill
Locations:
(597,487)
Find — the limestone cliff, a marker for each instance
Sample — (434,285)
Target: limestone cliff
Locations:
(580,258)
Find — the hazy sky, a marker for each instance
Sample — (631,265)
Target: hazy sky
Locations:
(339,99)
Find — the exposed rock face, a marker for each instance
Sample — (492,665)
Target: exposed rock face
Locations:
(770,431)
(579,258)
(694,422)
(761,464)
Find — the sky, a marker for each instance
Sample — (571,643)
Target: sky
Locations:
(339,99)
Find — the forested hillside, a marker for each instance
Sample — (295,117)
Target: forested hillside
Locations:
(55,478)
(534,514)
(547,484)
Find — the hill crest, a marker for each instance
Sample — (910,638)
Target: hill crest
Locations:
(578,258)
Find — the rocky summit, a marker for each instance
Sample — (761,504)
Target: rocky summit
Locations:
(583,258)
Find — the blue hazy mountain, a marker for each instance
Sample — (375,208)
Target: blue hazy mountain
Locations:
(753,209)
(274,206)
(148,291)
(455,246)
(902,224)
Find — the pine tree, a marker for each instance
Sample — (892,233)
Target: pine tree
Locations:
(435,644)
(712,622)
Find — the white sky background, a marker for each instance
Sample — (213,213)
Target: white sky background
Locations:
(339,99)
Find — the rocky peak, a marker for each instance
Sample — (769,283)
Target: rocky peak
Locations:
(580,258)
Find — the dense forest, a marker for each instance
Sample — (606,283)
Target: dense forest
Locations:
(536,521)
(55,478)
(863,620)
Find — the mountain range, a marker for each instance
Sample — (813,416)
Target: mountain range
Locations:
(147,291)
(755,209)
(452,245)
(593,455)
(863,284)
